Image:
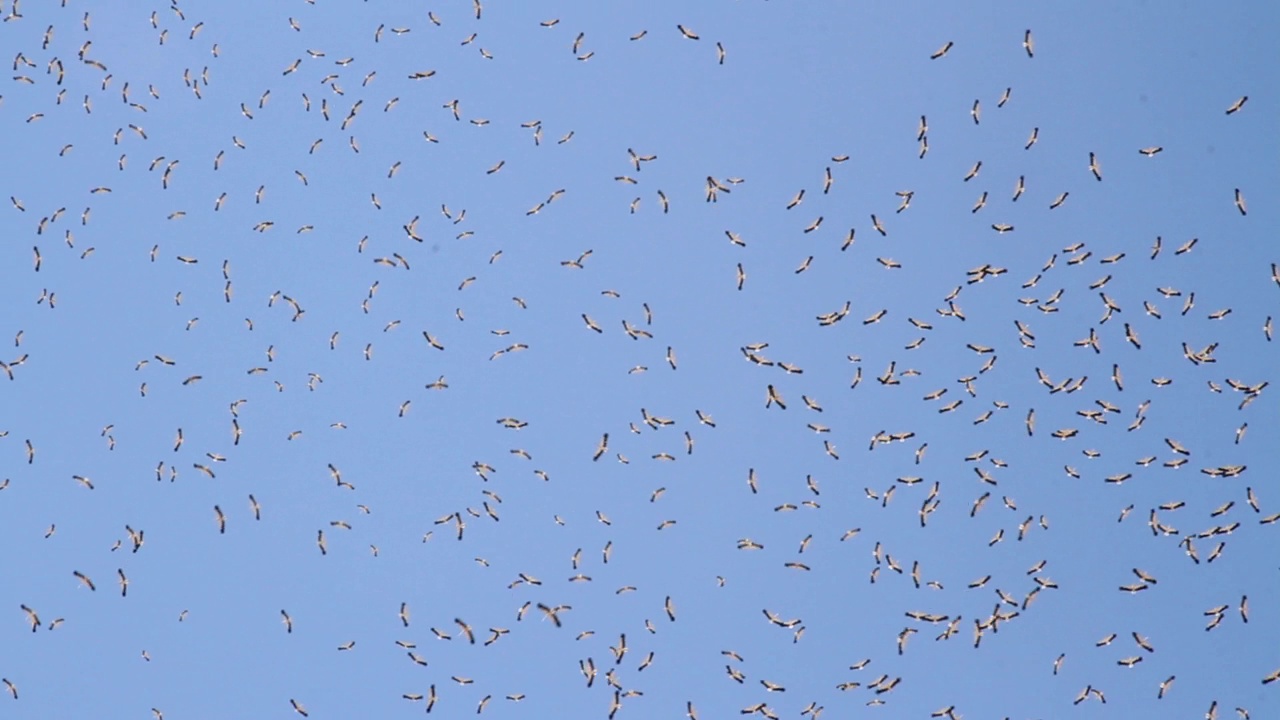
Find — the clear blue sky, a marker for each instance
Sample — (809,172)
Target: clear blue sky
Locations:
(800,85)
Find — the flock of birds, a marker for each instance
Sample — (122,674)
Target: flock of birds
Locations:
(1048,412)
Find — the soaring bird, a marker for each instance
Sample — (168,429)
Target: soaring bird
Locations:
(32,617)
(772,396)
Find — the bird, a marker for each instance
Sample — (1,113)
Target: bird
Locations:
(1235,106)
(796,200)
(772,397)
(942,50)
(466,630)
(553,614)
(1143,643)
(32,618)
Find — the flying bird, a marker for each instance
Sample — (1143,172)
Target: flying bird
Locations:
(84,580)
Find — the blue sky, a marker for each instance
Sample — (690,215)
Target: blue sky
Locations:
(183,273)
